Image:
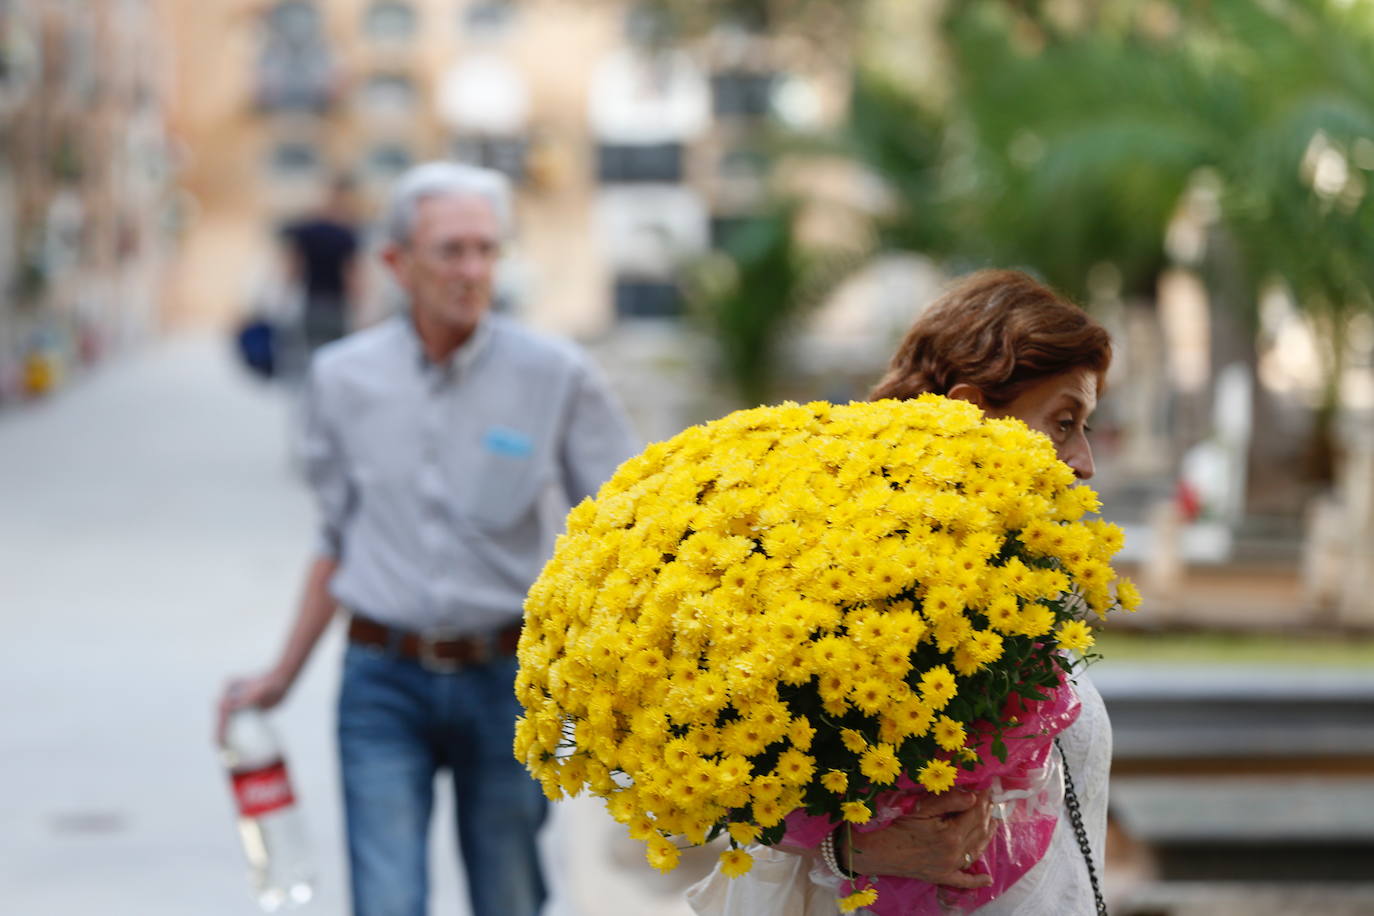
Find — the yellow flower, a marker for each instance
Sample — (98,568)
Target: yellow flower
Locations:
(641,827)
(937,776)
(869,628)
(735,862)
(661,853)
(938,687)
(700,549)
(795,767)
(665,633)
(1075,501)
(733,769)
(1127,594)
(800,733)
(1017,578)
(768,788)
(835,585)
(1099,599)
(1036,620)
(985,646)
(768,813)
(742,833)
(1092,574)
(894,661)
(942,603)
(550,785)
(1109,536)
(740,579)
(879,763)
(705,738)
(853,740)
(907,625)
(951,632)
(784,540)
(856,812)
(913,717)
(858,899)
(871,694)
(835,707)
(831,653)
(770,715)
(949,734)
(1075,635)
(648,662)
(965,663)
(743,736)
(582,514)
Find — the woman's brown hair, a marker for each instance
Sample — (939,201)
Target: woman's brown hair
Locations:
(1000,331)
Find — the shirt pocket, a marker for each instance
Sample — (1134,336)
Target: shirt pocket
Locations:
(510,473)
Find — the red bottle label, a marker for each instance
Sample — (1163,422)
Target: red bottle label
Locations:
(263,790)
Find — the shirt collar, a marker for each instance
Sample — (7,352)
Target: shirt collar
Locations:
(461,359)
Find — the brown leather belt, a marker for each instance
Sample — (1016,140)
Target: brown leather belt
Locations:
(441,654)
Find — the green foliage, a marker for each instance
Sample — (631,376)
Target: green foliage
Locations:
(752,298)
(1079,152)
(1062,146)
(898,139)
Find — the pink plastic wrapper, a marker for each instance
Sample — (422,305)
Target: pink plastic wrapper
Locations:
(1027,795)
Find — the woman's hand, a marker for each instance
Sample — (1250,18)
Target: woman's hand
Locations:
(941,837)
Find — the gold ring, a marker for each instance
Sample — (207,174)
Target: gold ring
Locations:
(968,859)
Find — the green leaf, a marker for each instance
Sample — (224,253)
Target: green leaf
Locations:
(771,836)
(999,749)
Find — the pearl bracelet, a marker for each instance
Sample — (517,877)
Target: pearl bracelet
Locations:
(831,862)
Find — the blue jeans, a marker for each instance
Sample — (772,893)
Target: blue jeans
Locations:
(399,725)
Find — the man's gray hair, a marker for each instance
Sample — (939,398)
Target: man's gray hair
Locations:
(444,179)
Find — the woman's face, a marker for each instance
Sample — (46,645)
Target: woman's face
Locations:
(1059,407)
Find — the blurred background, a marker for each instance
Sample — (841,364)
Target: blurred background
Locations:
(729,202)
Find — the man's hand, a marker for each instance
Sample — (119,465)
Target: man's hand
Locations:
(263,691)
(944,835)
(312,616)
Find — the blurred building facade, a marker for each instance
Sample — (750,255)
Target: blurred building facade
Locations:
(631,152)
(154,147)
(625,150)
(86,200)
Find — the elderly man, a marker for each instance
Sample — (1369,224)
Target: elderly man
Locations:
(444,446)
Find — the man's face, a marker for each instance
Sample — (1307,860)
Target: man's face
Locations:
(448,264)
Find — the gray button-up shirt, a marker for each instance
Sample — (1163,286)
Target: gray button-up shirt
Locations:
(442,487)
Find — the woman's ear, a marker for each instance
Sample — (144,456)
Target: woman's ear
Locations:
(963,391)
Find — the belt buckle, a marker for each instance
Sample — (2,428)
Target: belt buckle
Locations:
(433,663)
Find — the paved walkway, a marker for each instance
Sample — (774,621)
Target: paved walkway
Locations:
(151,541)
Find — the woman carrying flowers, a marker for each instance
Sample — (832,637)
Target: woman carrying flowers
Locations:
(1008,344)
(848,636)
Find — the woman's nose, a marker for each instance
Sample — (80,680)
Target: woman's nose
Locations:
(1080,458)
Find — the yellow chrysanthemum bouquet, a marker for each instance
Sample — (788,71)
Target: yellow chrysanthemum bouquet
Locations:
(810,610)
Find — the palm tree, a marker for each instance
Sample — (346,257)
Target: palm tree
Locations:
(1064,147)
(1077,145)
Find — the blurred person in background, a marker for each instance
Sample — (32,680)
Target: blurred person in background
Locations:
(321,254)
(445,446)
(1015,348)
